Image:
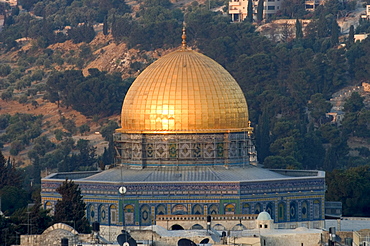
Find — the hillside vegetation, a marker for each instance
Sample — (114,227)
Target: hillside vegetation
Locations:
(66,66)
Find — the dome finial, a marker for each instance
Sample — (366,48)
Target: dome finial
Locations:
(183,37)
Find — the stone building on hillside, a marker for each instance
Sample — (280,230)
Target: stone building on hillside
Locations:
(185,148)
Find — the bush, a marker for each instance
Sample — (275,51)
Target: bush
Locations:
(84,128)
(16,147)
(5,70)
(22,99)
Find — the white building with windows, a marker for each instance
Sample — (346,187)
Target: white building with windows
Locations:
(238,9)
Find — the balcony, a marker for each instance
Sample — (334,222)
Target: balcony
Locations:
(234,11)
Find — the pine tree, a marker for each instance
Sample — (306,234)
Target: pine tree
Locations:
(71,209)
(9,176)
(298,30)
(250,11)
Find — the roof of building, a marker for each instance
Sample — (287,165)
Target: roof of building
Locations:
(264,216)
(180,174)
(184,92)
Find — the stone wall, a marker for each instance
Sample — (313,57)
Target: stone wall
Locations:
(291,239)
(53,236)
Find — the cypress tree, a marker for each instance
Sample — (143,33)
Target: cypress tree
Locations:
(334,33)
(263,136)
(322,27)
(351,35)
(260,11)
(298,29)
(105,26)
(250,11)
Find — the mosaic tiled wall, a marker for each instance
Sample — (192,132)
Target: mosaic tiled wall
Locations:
(184,149)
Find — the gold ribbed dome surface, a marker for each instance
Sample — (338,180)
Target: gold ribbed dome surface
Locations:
(184,92)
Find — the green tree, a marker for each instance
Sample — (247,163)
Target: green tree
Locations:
(322,27)
(352,188)
(58,134)
(105,26)
(108,129)
(12,198)
(335,29)
(298,29)
(34,215)
(87,157)
(260,10)
(318,107)
(7,95)
(23,99)
(354,103)
(16,147)
(5,69)
(250,11)
(9,176)
(84,33)
(84,128)
(351,36)
(293,8)
(71,209)
(263,137)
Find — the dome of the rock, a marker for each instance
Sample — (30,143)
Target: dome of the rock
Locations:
(184,92)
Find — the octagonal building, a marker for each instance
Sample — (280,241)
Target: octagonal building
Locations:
(184,148)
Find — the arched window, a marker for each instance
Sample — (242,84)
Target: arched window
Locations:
(177,227)
(145,215)
(161,210)
(281,212)
(257,208)
(102,214)
(238,227)
(270,209)
(197,209)
(246,208)
(49,206)
(112,220)
(219,227)
(91,213)
(179,209)
(304,210)
(293,211)
(230,208)
(213,209)
(197,227)
(316,209)
(129,214)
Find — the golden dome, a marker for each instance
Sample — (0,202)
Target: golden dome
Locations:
(184,92)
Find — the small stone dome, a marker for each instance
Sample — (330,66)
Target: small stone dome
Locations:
(301,229)
(264,216)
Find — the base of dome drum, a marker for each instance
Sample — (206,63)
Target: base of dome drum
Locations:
(206,149)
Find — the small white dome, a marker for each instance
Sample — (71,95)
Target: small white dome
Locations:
(301,229)
(264,216)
